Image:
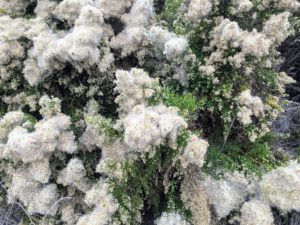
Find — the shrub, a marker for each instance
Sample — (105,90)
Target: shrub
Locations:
(112,109)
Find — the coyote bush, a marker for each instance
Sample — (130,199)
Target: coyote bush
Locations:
(123,111)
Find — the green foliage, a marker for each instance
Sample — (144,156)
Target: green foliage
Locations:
(197,36)
(295,21)
(245,19)
(3,109)
(142,186)
(224,7)
(75,115)
(217,93)
(4,164)
(182,139)
(216,99)
(3,12)
(186,103)
(298,152)
(57,162)
(32,120)
(104,126)
(266,78)
(90,161)
(31,220)
(170,11)
(250,158)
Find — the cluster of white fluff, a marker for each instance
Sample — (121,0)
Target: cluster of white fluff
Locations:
(288,4)
(76,96)
(255,44)
(148,126)
(170,44)
(95,135)
(242,6)
(74,175)
(136,21)
(81,44)
(278,188)
(229,33)
(12,29)
(105,205)
(30,183)
(113,8)
(256,212)
(193,195)
(69,10)
(15,7)
(36,197)
(194,152)
(12,50)
(281,187)
(12,54)
(145,127)
(48,136)
(49,106)
(134,87)
(40,170)
(275,23)
(44,9)
(249,106)
(227,194)
(199,8)
(171,218)
(8,122)
(173,48)
(79,47)
(283,80)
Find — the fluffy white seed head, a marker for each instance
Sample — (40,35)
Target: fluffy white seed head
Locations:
(249,106)
(171,218)
(134,87)
(195,151)
(227,194)
(194,196)
(275,23)
(146,127)
(198,9)
(9,121)
(175,47)
(29,147)
(37,198)
(105,205)
(256,212)
(281,187)
(74,175)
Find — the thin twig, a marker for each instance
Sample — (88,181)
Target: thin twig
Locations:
(227,135)
(58,201)
(15,202)
(7,214)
